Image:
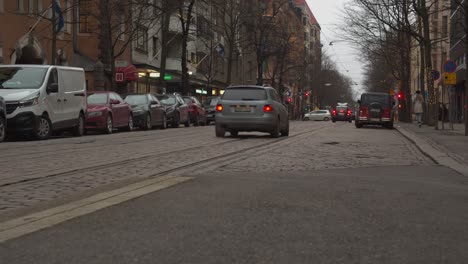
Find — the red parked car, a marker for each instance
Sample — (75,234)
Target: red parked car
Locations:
(107,111)
(197,112)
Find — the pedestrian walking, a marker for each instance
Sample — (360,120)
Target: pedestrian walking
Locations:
(418,107)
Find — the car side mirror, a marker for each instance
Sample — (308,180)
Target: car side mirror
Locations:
(154,103)
(114,101)
(52,88)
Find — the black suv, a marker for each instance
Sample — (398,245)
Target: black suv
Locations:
(3,122)
(375,109)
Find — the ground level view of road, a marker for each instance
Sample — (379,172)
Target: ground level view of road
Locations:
(328,193)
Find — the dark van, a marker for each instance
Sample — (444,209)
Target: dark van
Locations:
(375,109)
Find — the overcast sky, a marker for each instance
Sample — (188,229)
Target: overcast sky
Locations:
(328,15)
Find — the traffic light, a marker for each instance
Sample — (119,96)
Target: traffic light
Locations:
(306,94)
(400,96)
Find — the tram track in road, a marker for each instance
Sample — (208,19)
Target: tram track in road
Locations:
(110,164)
(84,144)
(40,192)
(220,160)
(130,161)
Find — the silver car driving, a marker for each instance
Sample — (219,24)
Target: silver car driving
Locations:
(251,108)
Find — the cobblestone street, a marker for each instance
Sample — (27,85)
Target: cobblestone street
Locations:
(38,172)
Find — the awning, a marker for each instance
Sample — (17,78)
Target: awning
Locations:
(130,73)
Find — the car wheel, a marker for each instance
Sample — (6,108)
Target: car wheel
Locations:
(333,120)
(358,125)
(130,123)
(220,131)
(234,133)
(350,121)
(78,131)
(147,125)
(176,121)
(187,123)
(276,132)
(285,132)
(306,119)
(43,129)
(326,119)
(109,125)
(389,125)
(203,123)
(2,129)
(164,122)
(195,121)
(208,122)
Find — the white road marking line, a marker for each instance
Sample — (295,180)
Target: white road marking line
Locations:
(34,222)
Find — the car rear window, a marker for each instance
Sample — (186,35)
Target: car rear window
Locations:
(136,99)
(167,100)
(97,99)
(367,99)
(245,94)
(339,108)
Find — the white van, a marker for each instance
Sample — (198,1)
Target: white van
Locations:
(41,99)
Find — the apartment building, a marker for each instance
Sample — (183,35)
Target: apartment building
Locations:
(26,37)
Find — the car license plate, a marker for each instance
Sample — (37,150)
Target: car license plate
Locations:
(243,108)
(341,114)
(375,119)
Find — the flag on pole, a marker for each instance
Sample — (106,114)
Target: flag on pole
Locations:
(58,13)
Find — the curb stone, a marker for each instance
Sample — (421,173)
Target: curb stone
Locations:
(436,155)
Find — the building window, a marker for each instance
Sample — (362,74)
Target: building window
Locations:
(67,13)
(155,46)
(444,26)
(20,6)
(85,16)
(39,6)
(142,39)
(304,21)
(193,57)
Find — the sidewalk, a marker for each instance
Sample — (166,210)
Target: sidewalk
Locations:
(446,147)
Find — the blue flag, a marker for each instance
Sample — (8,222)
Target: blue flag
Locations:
(58,12)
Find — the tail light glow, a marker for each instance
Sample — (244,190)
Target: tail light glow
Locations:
(219,108)
(334,112)
(267,108)
(363,111)
(386,113)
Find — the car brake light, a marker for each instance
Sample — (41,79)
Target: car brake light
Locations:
(219,108)
(386,113)
(267,108)
(334,112)
(349,112)
(363,112)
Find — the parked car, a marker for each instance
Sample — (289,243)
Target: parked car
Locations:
(147,111)
(318,115)
(375,109)
(210,108)
(3,123)
(341,113)
(177,111)
(251,108)
(41,99)
(196,111)
(108,111)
